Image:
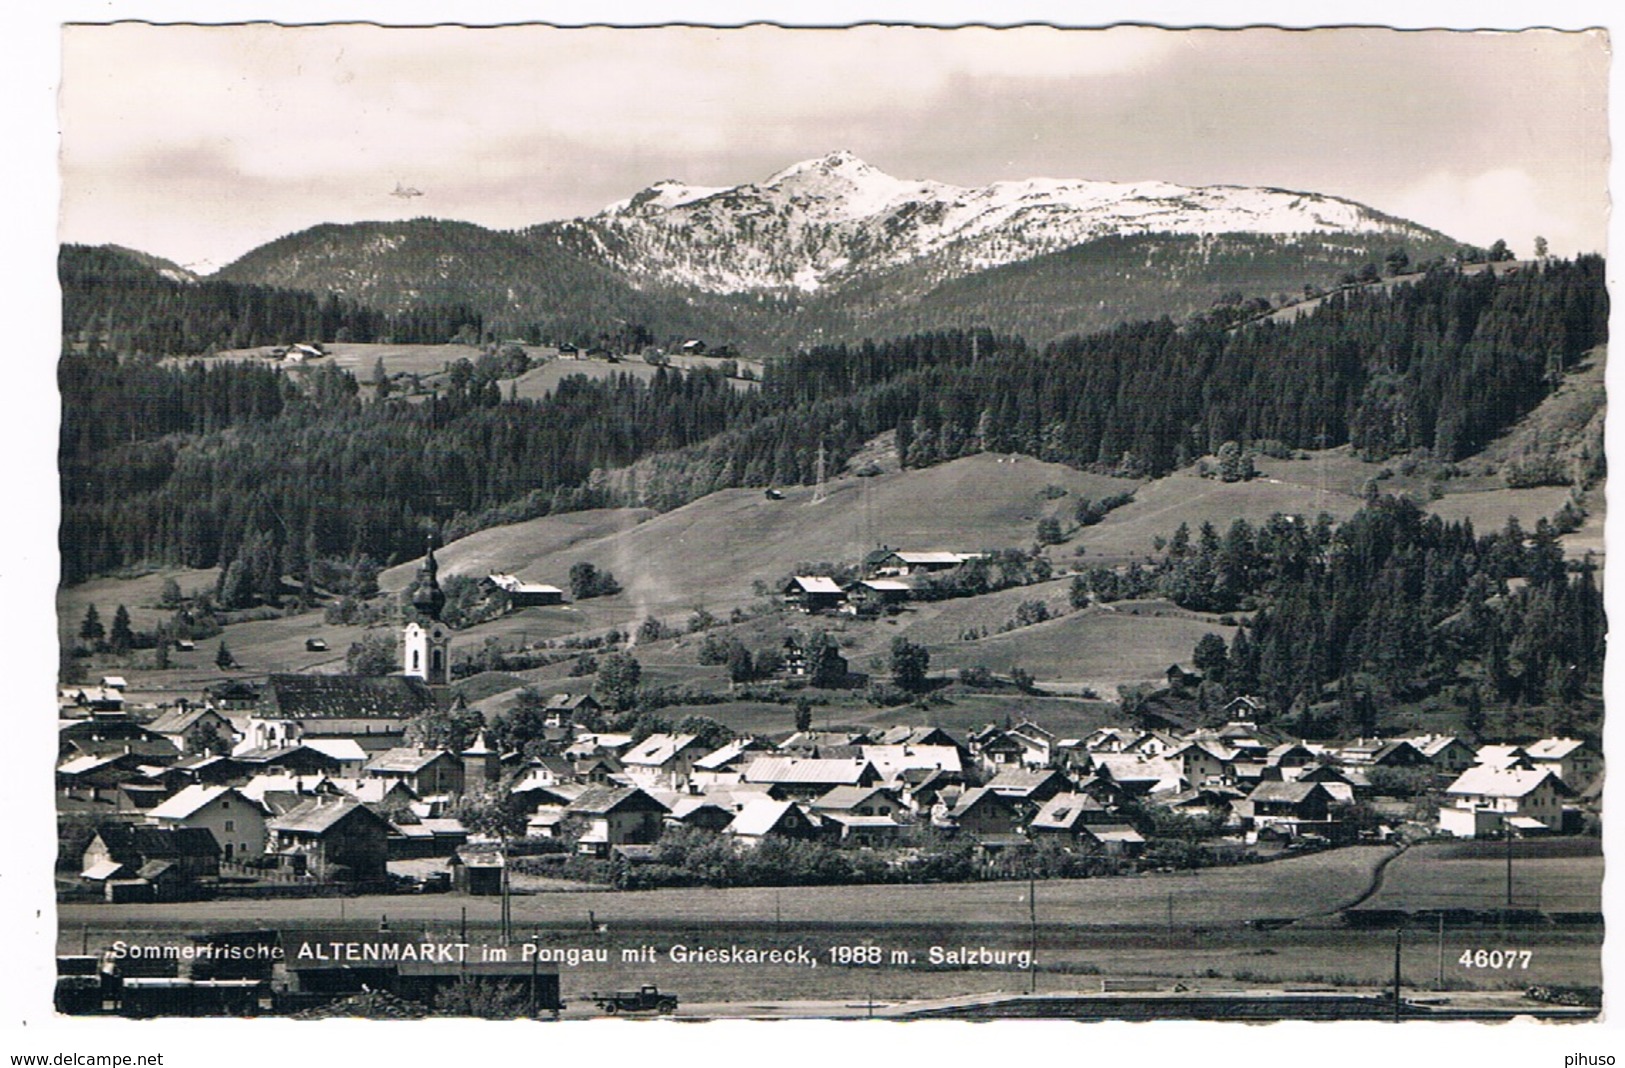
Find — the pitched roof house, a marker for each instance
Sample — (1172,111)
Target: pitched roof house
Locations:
(662,760)
(766,818)
(1287,807)
(1576,762)
(120,850)
(236,821)
(1486,799)
(334,839)
(981,813)
(808,777)
(192,730)
(427,772)
(813,593)
(617,816)
(1065,816)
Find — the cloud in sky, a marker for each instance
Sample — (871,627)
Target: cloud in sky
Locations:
(223,137)
(1501,203)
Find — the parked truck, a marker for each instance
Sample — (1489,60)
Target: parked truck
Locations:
(646,998)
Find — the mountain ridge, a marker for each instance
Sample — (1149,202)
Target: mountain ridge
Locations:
(833,248)
(820,222)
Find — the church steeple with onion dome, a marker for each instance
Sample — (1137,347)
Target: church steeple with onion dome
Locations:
(426,652)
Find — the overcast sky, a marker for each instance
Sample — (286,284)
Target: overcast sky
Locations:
(199,143)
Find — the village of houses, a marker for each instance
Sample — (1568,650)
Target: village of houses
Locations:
(304,783)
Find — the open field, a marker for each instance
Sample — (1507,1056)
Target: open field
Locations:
(1097,647)
(359,358)
(1297,887)
(711,551)
(139,594)
(515,548)
(1159,507)
(538,381)
(1546,874)
(1488,510)
(1336,470)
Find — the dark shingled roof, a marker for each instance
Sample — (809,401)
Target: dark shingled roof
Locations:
(1292,792)
(321,814)
(179,719)
(602,800)
(133,843)
(340,696)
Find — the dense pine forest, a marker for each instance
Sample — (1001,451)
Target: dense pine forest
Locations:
(1392,605)
(111,302)
(1442,364)
(200,464)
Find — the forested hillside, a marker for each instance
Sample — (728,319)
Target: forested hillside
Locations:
(120,302)
(1095,285)
(1442,364)
(522,286)
(1389,606)
(235,458)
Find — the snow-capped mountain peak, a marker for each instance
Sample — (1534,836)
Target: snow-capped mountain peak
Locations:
(662,196)
(823,221)
(841,164)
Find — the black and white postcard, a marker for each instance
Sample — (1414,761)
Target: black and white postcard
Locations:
(736,520)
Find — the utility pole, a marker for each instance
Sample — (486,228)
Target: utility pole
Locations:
(507,904)
(1032,934)
(533,955)
(1507,830)
(1399,933)
(1441,949)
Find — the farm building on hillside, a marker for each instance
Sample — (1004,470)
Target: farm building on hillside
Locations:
(561,708)
(813,593)
(876,593)
(299,353)
(907,562)
(523,594)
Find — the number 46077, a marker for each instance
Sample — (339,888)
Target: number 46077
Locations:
(1508,959)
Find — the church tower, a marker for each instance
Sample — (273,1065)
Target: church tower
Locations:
(427,647)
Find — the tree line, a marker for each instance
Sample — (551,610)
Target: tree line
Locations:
(113,303)
(1393,605)
(229,454)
